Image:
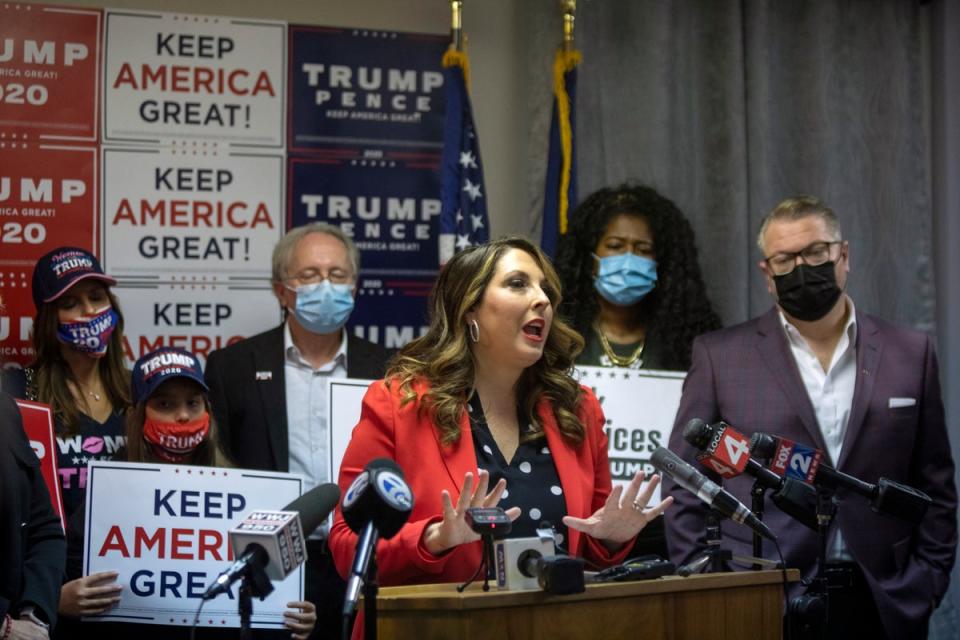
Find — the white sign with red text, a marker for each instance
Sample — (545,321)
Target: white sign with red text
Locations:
(176,209)
(193,314)
(197,77)
(163,528)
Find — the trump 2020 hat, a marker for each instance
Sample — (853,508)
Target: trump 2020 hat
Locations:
(62,268)
(156,367)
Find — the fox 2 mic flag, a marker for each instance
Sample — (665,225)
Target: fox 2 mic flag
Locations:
(560,193)
(463,213)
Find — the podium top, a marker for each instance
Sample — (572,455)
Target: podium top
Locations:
(445,596)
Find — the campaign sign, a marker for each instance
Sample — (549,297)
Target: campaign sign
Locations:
(195,313)
(38,425)
(640,407)
(164,529)
(389,207)
(172,75)
(343,413)
(16,317)
(48,199)
(181,209)
(49,71)
(390,310)
(365,88)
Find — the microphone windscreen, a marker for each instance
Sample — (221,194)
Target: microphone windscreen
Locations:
(315,505)
(698,433)
(763,445)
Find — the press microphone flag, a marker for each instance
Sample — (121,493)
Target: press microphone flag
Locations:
(275,541)
(708,491)
(376,505)
(722,448)
(725,450)
(805,463)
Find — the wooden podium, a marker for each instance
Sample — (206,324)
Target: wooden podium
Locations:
(715,606)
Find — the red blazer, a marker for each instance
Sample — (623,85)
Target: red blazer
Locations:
(390,431)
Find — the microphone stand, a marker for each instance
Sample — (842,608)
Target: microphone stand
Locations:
(810,612)
(253,582)
(370,589)
(714,558)
(756,505)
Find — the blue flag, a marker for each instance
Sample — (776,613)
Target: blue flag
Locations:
(560,194)
(463,212)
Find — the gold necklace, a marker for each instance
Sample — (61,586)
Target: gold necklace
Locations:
(96,396)
(620,361)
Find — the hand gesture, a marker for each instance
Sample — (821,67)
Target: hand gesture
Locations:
(301,622)
(26,630)
(453,530)
(618,521)
(90,595)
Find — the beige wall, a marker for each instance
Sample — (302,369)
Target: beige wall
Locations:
(496,48)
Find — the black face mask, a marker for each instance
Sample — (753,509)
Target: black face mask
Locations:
(808,293)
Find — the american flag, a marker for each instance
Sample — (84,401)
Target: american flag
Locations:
(463,213)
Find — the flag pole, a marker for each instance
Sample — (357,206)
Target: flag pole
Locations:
(569,9)
(456,24)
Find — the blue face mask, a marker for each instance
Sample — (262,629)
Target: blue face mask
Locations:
(624,279)
(323,307)
(90,335)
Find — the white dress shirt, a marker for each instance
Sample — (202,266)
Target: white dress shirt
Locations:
(307,430)
(830,393)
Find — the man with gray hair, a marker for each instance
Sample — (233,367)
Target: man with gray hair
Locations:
(816,370)
(269,392)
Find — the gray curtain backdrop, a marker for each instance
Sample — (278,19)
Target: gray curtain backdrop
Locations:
(727,107)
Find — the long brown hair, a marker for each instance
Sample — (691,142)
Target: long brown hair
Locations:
(207,454)
(443,358)
(51,372)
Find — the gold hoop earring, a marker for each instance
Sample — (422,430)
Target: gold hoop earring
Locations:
(474,330)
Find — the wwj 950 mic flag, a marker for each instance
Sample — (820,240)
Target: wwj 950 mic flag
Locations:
(463,212)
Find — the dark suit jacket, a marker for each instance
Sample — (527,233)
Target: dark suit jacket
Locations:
(746,376)
(248,394)
(32,546)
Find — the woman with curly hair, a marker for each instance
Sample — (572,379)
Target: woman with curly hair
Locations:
(480,411)
(633,285)
(634,291)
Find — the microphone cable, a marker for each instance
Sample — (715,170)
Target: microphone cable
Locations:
(196,620)
(786,592)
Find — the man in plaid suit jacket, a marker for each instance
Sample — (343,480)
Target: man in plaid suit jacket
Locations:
(817,371)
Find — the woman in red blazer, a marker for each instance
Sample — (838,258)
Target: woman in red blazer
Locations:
(485,396)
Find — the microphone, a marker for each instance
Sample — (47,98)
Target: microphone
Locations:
(376,505)
(804,463)
(727,451)
(273,541)
(557,575)
(695,482)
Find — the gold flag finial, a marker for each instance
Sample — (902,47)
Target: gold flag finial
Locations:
(569,8)
(456,24)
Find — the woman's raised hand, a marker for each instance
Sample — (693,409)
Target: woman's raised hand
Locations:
(453,530)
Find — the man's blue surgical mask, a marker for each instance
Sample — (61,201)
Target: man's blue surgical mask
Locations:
(624,279)
(323,307)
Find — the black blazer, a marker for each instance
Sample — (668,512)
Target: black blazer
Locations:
(248,395)
(32,547)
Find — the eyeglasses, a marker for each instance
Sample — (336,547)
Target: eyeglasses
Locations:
(815,254)
(315,276)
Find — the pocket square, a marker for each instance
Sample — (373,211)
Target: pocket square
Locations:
(264,375)
(901,402)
